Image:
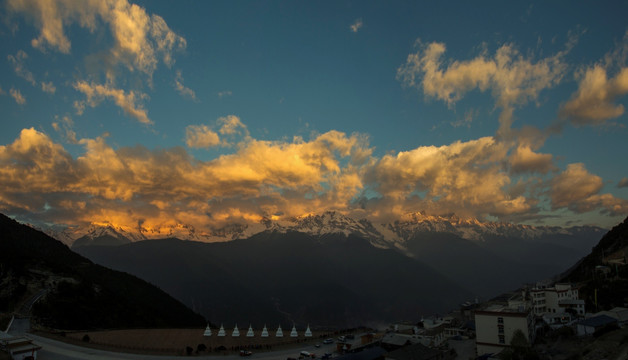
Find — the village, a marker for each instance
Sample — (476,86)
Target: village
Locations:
(477,330)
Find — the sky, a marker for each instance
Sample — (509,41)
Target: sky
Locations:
(156,114)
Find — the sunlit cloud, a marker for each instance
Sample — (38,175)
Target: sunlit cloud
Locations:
(594,102)
(48,87)
(17,96)
(599,88)
(201,136)
(150,186)
(623,183)
(461,177)
(356,26)
(140,39)
(182,89)
(127,101)
(513,79)
(65,128)
(19,67)
(525,160)
(165,189)
(578,190)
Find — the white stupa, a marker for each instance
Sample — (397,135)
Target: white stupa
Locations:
(208,331)
(264,331)
(250,332)
(279,332)
(221,332)
(294,333)
(235,332)
(308,332)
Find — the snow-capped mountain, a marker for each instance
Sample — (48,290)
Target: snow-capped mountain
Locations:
(394,234)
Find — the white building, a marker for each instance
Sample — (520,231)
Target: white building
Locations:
(556,299)
(496,325)
(19,348)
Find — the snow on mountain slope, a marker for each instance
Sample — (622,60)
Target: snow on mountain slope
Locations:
(383,235)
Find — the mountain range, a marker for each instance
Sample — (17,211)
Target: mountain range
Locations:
(393,234)
(332,270)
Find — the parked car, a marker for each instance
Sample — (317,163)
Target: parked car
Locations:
(328,341)
(317,345)
(308,354)
(245,353)
(341,338)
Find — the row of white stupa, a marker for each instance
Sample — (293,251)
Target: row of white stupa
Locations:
(250,333)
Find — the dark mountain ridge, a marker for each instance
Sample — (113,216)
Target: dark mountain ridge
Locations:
(80,294)
(274,277)
(603,274)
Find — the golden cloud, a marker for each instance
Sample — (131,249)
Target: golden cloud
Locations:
(462,175)
(593,103)
(578,190)
(127,101)
(201,136)
(17,96)
(140,39)
(512,79)
(166,190)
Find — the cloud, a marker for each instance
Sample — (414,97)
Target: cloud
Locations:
(164,189)
(156,187)
(578,190)
(231,125)
(48,87)
(599,87)
(20,69)
(357,25)
(201,136)
(65,128)
(594,101)
(513,79)
(225,93)
(623,183)
(140,39)
(17,96)
(184,91)
(525,160)
(127,101)
(463,177)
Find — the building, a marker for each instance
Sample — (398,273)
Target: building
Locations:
(556,299)
(19,348)
(591,325)
(496,325)
(618,313)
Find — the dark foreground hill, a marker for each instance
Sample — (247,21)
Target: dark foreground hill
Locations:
(80,294)
(603,273)
(330,280)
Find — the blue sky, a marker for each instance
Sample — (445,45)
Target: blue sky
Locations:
(156,114)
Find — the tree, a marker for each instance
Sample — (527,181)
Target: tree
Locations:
(519,349)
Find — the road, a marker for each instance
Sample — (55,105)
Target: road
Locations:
(57,350)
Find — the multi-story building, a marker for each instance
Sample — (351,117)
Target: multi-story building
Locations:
(496,325)
(556,299)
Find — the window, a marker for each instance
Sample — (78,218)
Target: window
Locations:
(502,339)
(500,320)
(500,329)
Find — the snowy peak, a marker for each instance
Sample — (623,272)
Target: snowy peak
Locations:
(393,234)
